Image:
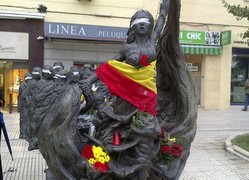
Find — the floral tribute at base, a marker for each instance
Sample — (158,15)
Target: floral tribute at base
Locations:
(96,157)
(170,150)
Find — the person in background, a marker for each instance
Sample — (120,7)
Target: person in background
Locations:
(246,94)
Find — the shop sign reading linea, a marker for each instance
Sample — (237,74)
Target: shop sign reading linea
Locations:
(80,31)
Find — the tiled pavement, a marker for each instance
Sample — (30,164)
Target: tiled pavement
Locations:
(208,160)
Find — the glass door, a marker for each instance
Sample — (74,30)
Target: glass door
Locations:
(239,75)
(11,76)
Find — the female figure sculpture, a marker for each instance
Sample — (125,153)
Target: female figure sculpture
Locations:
(139,147)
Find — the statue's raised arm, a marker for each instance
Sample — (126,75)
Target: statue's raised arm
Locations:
(164,9)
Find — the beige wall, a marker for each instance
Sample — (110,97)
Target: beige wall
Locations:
(216,80)
(208,12)
(101,12)
(196,13)
(210,91)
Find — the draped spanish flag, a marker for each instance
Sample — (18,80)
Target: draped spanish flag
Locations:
(137,86)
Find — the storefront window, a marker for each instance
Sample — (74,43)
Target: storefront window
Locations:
(240,66)
(11,76)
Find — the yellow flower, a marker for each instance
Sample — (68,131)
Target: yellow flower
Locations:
(102,160)
(92,161)
(172,140)
(100,155)
(107,158)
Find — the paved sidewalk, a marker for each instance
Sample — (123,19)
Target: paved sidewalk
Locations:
(208,159)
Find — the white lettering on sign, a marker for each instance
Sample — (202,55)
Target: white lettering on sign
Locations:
(193,68)
(192,35)
(188,64)
(66,29)
(111,34)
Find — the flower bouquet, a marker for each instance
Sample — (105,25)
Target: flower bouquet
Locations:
(170,150)
(96,158)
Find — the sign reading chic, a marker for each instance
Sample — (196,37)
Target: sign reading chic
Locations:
(200,37)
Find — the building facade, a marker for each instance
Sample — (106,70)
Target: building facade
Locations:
(76,32)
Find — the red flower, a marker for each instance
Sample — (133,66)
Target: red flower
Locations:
(176,150)
(165,149)
(87,152)
(100,166)
(144,60)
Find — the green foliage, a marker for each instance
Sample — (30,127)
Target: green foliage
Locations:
(239,12)
(242,142)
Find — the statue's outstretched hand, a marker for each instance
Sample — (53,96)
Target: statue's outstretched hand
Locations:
(164,7)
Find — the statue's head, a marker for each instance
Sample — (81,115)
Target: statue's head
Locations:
(48,72)
(74,74)
(61,76)
(86,71)
(141,16)
(58,66)
(36,73)
(27,77)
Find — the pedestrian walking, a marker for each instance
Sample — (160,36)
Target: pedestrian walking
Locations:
(246,94)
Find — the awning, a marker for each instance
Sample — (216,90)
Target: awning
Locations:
(206,50)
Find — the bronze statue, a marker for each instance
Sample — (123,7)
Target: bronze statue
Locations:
(74,74)
(23,107)
(153,93)
(57,66)
(36,76)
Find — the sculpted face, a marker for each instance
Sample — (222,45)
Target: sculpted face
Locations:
(57,66)
(142,22)
(141,26)
(48,72)
(36,73)
(28,77)
(62,75)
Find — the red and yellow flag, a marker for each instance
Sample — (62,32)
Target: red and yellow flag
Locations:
(137,86)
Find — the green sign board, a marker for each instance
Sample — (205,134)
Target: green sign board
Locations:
(226,37)
(211,38)
(192,37)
